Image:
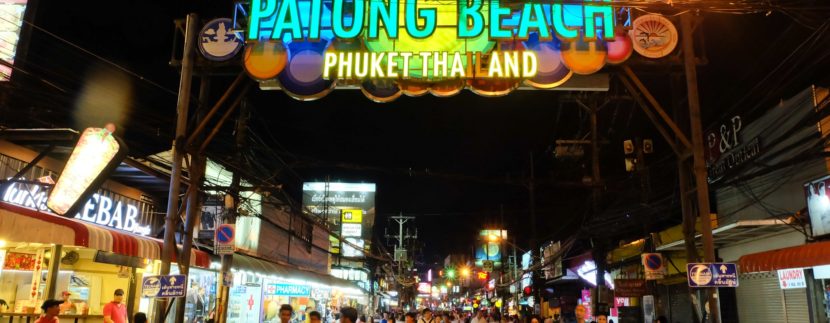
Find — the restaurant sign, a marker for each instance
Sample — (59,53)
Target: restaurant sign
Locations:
(385,47)
(98,209)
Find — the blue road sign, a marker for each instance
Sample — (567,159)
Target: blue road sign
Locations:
(224,234)
(164,286)
(654,261)
(712,274)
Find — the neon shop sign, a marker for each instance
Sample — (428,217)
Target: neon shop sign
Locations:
(98,209)
(429,40)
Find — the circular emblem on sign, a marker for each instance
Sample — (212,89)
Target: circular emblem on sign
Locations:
(217,41)
(151,287)
(701,275)
(654,36)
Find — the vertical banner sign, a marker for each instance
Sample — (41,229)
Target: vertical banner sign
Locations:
(655,269)
(97,153)
(36,271)
(792,278)
(224,240)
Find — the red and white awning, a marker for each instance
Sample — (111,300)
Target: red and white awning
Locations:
(21,224)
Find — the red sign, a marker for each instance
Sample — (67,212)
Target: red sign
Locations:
(629,287)
(483,275)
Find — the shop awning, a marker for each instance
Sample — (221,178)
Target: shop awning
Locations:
(26,225)
(733,233)
(280,271)
(808,255)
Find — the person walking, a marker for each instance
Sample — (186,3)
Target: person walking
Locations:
(479,318)
(314,317)
(426,316)
(348,315)
(115,311)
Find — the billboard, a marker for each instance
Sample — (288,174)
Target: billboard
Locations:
(349,209)
(818,205)
(489,247)
(12,12)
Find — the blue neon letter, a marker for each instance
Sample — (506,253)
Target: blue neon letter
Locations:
(466,13)
(412,14)
(314,24)
(258,13)
(496,12)
(389,15)
(559,23)
(338,23)
(528,12)
(288,9)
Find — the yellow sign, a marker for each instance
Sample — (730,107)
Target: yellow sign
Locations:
(351,216)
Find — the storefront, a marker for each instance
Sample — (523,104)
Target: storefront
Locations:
(785,285)
(261,287)
(46,255)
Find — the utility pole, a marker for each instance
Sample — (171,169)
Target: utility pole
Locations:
(596,189)
(401,255)
(232,201)
(182,108)
(700,172)
(532,193)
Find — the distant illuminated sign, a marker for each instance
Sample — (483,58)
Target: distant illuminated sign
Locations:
(352,216)
(96,151)
(350,251)
(288,290)
(424,288)
(352,230)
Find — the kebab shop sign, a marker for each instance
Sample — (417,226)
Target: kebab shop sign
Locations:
(98,209)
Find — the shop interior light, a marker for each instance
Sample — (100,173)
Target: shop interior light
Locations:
(2,243)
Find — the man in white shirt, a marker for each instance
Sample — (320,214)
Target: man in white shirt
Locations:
(479,318)
(426,316)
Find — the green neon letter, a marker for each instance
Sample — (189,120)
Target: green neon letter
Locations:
(528,12)
(496,12)
(257,14)
(413,13)
(559,23)
(288,9)
(389,15)
(465,14)
(314,22)
(607,21)
(338,23)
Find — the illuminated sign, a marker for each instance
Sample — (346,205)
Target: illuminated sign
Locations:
(389,47)
(10,26)
(98,209)
(424,288)
(352,216)
(352,230)
(288,290)
(96,153)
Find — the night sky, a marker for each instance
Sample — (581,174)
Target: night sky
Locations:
(453,162)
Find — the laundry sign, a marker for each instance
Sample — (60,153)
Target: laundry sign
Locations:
(791,278)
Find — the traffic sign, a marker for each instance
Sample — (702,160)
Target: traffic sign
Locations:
(655,269)
(712,274)
(224,240)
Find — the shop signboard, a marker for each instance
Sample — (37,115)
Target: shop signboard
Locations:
(350,251)
(245,303)
(629,287)
(487,265)
(424,288)
(818,205)
(164,286)
(224,239)
(791,278)
(553,268)
(352,230)
(284,289)
(712,274)
(648,308)
(655,269)
(99,209)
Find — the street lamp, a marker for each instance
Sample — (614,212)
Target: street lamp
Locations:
(465,272)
